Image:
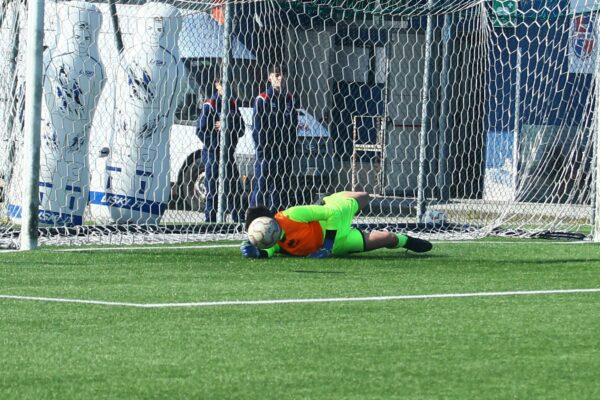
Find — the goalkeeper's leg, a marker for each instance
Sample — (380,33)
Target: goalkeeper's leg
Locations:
(376,239)
(358,242)
(340,199)
(363,198)
(379,239)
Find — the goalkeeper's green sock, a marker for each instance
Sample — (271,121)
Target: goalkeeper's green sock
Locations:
(413,244)
(402,239)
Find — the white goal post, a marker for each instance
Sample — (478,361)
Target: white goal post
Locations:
(163,122)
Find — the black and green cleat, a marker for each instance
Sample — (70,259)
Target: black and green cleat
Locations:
(417,245)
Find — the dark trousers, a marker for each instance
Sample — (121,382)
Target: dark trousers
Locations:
(271,185)
(210,159)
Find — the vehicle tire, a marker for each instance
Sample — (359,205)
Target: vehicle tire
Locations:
(191,193)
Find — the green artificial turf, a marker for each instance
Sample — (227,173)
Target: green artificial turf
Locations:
(522,347)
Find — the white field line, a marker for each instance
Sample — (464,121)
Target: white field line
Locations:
(149,247)
(219,246)
(298,301)
(129,248)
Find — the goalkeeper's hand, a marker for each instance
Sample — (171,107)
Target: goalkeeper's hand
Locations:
(250,251)
(321,253)
(327,250)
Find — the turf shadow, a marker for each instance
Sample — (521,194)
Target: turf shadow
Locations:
(304,271)
(37,264)
(390,256)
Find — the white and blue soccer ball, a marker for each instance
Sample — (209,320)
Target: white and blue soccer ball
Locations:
(434,217)
(264,232)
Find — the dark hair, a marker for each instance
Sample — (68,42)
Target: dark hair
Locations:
(255,212)
(278,69)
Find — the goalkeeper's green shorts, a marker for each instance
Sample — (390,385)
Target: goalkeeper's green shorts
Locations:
(347,238)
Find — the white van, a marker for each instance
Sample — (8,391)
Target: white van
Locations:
(312,159)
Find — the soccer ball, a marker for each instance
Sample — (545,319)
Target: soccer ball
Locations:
(264,232)
(434,217)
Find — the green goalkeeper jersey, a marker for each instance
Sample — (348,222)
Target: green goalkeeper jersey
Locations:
(335,215)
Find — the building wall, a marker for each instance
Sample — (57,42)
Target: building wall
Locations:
(405,82)
(309,54)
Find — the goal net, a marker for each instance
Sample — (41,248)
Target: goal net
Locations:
(165,122)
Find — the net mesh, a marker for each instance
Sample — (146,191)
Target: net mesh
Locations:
(12,99)
(165,122)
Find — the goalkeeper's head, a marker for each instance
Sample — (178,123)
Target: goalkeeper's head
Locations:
(255,212)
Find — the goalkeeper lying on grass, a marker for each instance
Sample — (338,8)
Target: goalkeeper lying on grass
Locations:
(324,231)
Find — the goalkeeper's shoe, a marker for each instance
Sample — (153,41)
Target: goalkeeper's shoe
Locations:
(414,244)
